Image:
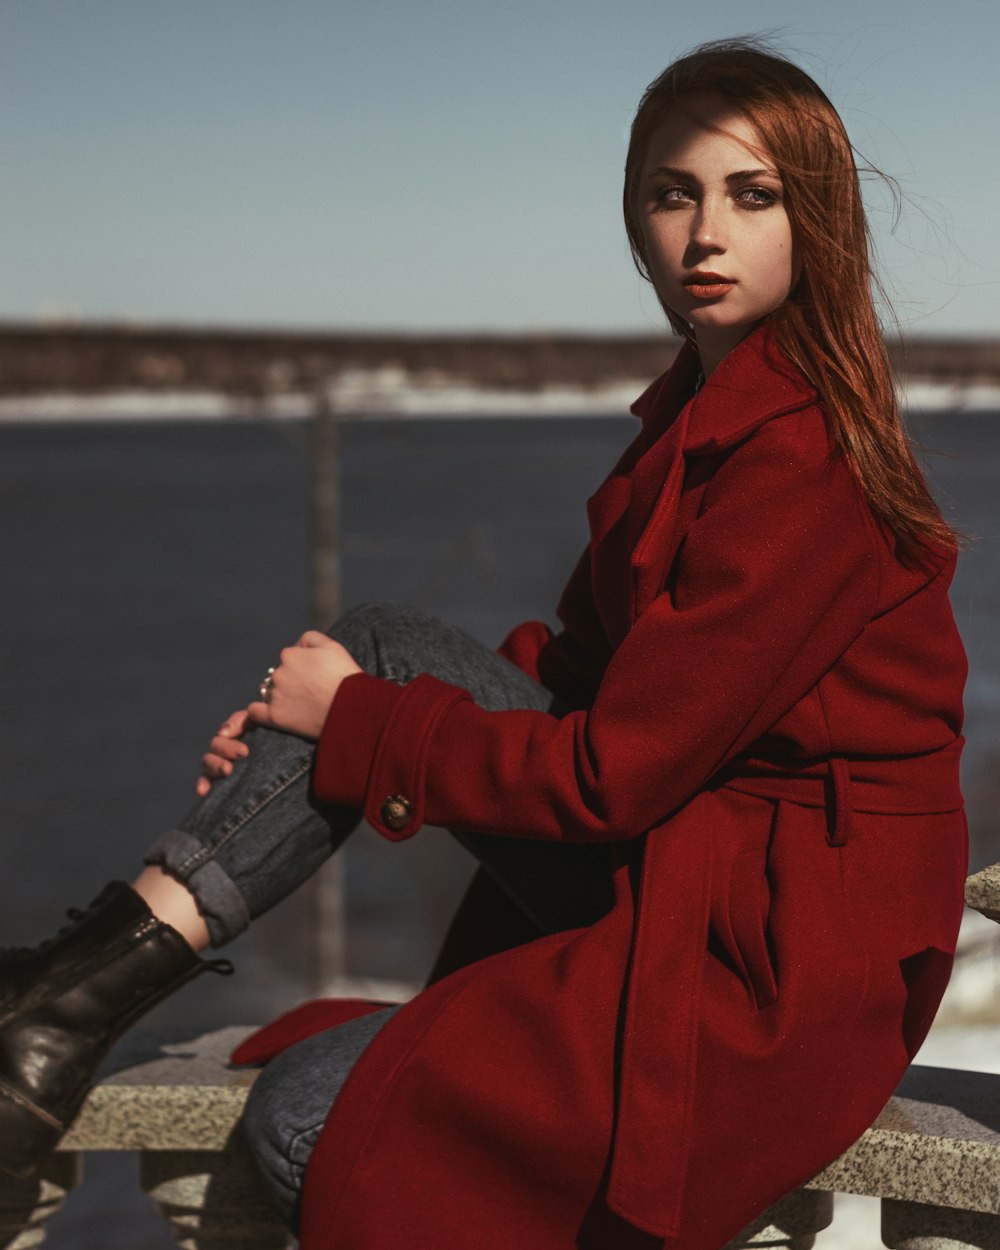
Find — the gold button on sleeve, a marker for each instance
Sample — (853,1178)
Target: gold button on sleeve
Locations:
(396,811)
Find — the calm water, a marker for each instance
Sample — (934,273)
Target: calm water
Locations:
(152,572)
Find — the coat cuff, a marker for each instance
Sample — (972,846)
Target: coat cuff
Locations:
(372,751)
(523,645)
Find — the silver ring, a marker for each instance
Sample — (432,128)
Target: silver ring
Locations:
(264,689)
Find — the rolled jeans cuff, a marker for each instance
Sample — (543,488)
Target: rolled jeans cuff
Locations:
(221,904)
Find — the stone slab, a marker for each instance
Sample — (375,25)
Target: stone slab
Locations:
(937,1142)
(982,892)
(165,1095)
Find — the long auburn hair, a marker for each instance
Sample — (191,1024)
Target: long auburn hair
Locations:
(828,326)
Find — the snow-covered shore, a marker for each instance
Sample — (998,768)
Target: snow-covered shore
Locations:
(392,391)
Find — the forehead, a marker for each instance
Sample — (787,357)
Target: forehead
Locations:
(708,132)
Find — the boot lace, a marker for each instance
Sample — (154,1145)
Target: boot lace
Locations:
(74,914)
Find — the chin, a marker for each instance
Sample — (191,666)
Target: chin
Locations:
(717,319)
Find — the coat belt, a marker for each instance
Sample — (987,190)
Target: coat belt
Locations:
(891,785)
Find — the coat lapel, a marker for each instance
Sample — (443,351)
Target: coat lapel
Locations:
(656,494)
(617,512)
(753,384)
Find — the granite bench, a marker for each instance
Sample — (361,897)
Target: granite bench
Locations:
(932,1157)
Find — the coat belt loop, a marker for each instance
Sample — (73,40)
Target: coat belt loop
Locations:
(842,815)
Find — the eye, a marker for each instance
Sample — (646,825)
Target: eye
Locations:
(756,197)
(673,197)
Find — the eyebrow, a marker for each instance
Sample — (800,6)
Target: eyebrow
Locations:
(740,175)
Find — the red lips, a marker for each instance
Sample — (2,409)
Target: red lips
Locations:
(708,285)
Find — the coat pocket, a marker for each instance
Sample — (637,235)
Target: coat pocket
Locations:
(740,906)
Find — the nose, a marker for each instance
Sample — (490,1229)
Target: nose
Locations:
(707,226)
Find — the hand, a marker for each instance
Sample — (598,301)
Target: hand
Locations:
(304,684)
(223,751)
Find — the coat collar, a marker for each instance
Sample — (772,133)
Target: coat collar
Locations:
(754,383)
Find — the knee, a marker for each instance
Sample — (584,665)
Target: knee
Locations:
(261,1122)
(289,1103)
(278,1143)
(373,618)
(383,637)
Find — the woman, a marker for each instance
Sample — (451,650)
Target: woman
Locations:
(718,812)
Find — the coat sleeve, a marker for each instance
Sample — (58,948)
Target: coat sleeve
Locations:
(774,580)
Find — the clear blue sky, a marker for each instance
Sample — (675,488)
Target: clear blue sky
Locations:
(451,164)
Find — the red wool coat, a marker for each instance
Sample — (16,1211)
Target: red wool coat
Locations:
(768,727)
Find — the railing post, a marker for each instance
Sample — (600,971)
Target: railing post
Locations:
(325,561)
(914,1226)
(792,1223)
(27,1204)
(211,1200)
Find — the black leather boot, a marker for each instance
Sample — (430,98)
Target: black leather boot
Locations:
(64,1003)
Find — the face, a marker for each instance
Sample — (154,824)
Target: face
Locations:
(717,235)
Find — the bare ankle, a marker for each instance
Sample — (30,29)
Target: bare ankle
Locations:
(174,904)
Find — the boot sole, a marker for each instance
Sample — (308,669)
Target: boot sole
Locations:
(27,1133)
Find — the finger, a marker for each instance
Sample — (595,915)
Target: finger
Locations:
(259,714)
(202,786)
(214,766)
(228,748)
(313,638)
(234,724)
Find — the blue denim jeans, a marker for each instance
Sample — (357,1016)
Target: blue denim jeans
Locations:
(258,835)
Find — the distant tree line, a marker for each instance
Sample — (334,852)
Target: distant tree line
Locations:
(36,357)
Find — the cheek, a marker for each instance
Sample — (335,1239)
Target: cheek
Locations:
(660,245)
(649,244)
(790,267)
(778,265)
